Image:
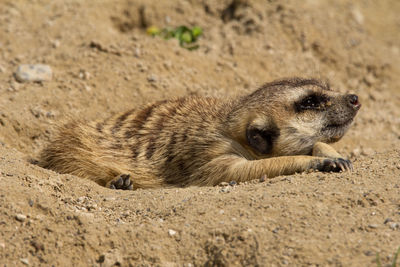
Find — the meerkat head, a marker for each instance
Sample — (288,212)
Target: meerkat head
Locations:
(288,117)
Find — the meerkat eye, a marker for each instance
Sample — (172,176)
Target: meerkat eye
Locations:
(314,101)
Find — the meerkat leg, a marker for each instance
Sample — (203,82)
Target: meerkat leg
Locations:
(227,168)
(122,182)
(324,150)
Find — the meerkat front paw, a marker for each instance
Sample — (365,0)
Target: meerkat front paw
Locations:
(334,165)
(122,182)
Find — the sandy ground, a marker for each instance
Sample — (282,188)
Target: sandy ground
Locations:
(103,62)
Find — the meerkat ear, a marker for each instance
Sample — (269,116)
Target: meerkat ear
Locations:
(262,140)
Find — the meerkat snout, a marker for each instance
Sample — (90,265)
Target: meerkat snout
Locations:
(353,101)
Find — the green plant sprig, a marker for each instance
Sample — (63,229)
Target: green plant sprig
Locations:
(186,36)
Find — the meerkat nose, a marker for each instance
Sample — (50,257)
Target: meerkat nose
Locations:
(353,100)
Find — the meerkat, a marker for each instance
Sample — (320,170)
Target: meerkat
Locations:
(282,128)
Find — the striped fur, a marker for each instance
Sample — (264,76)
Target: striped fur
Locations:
(204,141)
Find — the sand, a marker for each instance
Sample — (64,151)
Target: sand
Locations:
(103,62)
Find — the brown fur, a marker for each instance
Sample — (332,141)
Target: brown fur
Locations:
(205,141)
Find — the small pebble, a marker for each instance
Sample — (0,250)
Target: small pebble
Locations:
(370,79)
(387,220)
(232,183)
(356,152)
(37,245)
(137,52)
(225,190)
(84,75)
(167,65)
(367,151)
(91,206)
(223,184)
(55,43)
(142,68)
(171,232)
(394,226)
(20,217)
(373,226)
(101,259)
(24,261)
(33,73)
(358,16)
(369,253)
(152,78)
(263,178)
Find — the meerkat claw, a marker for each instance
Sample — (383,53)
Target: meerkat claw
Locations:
(122,182)
(347,165)
(335,165)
